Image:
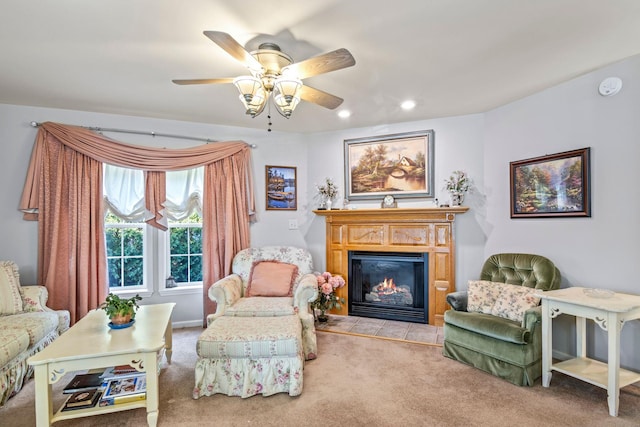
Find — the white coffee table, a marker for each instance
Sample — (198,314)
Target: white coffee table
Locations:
(610,313)
(89,344)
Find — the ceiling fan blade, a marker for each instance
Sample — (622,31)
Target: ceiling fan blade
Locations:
(332,61)
(202,81)
(319,97)
(233,48)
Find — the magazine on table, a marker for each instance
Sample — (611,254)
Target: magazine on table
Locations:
(125,386)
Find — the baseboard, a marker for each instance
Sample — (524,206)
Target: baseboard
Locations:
(186,324)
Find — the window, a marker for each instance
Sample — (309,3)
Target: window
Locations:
(185,251)
(125,253)
(141,258)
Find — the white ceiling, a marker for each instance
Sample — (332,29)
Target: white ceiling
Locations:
(452,57)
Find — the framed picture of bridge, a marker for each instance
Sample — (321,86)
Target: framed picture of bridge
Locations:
(554,185)
(281,188)
(400,165)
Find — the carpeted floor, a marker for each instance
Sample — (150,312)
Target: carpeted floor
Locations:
(359,381)
(380,328)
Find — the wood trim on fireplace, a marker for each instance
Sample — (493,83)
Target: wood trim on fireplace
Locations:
(412,230)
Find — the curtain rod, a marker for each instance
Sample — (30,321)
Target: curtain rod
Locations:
(139,132)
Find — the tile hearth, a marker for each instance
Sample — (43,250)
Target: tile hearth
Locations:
(386,329)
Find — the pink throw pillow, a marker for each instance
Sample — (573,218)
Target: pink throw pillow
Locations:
(271,279)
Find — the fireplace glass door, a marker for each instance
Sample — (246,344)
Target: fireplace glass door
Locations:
(388,285)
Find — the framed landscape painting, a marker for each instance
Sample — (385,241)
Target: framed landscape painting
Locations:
(282,193)
(400,165)
(556,185)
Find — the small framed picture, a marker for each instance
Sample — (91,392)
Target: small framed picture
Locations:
(281,188)
(555,185)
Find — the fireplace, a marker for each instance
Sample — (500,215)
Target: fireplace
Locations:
(388,285)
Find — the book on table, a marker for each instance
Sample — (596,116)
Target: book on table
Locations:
(123,371)
(135,397)
(125,386)
(83,382)
(83,399)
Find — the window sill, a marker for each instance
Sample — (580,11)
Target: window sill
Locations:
(144,293)
(181,290)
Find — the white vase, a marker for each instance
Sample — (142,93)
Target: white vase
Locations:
(457,199)
(329,203)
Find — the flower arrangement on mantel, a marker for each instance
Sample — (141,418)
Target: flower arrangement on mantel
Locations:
(457,185)
(327,298)
(327,193)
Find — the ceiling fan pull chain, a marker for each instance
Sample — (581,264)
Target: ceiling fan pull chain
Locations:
(269,117)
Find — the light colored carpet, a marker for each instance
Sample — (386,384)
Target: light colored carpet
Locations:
(358,381)
(380,328)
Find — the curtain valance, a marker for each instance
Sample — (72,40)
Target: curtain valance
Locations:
(149,159)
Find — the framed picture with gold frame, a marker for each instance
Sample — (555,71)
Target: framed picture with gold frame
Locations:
(281,188)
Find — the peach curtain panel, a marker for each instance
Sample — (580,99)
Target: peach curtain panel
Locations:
(63,191)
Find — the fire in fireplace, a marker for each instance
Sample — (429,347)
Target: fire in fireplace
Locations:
(388,285)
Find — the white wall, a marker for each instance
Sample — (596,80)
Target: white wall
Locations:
(601,251)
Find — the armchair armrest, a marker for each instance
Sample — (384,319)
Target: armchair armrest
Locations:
(225,292)
(306,292)
(532,318)
(458,300)
(34,298)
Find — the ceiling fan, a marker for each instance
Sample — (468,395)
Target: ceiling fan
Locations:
(274,74)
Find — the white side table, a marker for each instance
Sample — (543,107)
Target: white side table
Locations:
(610,314)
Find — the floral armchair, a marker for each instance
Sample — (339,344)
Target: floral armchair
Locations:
(285,287)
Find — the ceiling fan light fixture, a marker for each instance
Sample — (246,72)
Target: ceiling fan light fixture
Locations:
(257,103)
(248,86)
(284,106)
(288,87)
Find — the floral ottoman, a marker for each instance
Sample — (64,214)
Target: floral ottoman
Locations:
(245,356)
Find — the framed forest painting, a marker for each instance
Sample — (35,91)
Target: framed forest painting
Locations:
(556,185)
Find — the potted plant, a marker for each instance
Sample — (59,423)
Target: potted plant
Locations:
(120,310)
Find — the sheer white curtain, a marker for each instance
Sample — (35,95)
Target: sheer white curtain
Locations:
(184,193)
(124,193)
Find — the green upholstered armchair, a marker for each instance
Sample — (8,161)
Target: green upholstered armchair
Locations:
(506,347)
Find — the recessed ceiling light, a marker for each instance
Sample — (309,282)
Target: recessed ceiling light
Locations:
(408,105)
(344,114)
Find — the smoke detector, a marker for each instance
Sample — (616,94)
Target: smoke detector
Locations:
(610,86)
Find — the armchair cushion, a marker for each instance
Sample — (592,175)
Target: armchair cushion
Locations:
(482,295)
(262,307)
(10,295)
(271,279)
(513,301)
(488,325)
(501,299)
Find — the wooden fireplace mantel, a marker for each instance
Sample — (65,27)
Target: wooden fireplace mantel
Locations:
(412,230)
